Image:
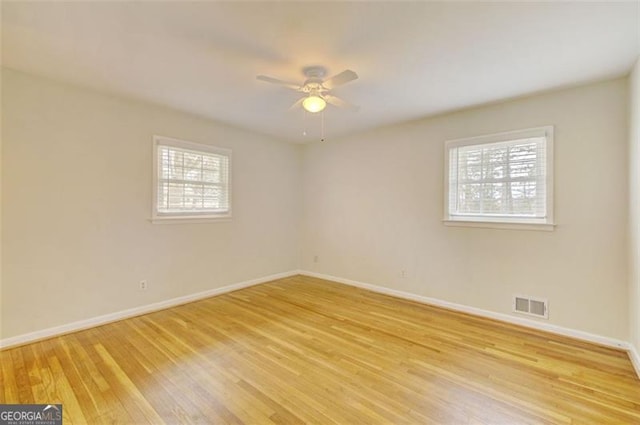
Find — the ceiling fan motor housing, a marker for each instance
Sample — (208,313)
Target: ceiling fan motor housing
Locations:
(313,83)
(317,72)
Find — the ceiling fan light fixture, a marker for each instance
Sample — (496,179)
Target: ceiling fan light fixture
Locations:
(314,103)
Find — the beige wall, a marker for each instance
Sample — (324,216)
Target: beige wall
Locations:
(76,177)
(77,202)
(373,205)
(634,204)
(1,172)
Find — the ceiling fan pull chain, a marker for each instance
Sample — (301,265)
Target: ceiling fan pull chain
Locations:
(304,122)
(322,126)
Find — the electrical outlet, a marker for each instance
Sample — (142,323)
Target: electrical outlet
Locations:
(315,258)
(403,273)
(143,285)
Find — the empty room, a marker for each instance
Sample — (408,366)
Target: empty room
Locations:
(320,212)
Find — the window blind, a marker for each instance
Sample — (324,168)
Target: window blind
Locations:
(499,179)
(192,181)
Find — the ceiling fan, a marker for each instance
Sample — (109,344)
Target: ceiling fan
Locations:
(317,92)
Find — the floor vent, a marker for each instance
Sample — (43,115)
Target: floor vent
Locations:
(530,306)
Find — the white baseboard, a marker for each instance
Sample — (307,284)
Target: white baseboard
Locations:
(136,311)
(635,358)
(631,350)
(585,336)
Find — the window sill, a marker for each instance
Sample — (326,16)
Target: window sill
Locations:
(546,227)
(191,219)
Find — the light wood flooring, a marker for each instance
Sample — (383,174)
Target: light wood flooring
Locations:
(305,350)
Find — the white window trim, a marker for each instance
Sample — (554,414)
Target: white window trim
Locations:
(187,217)
(514,223)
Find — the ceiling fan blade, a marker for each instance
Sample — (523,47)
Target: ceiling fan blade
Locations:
(336,101)
(288,84)
(339,79)
(296,105)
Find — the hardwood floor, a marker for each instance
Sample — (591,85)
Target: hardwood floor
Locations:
(302,350)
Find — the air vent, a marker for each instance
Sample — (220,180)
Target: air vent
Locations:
(530,306)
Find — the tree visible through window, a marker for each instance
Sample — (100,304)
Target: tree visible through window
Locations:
(500,178)
(191,180)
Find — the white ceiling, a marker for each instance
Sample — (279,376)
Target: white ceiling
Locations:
(414,58)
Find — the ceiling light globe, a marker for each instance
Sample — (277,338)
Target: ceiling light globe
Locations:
(314,104)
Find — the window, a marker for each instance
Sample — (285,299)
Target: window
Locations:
(191,181)
(501,180)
